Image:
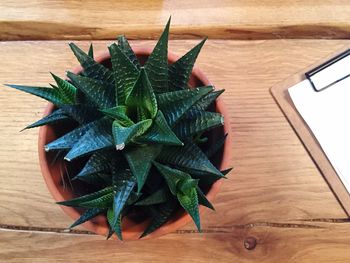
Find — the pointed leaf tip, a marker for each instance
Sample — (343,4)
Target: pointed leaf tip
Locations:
(123,135)
(142,96)
(125,72)
(189,202)
(45,93)
(140,161)
(181,70)
(157,63)
(160,132)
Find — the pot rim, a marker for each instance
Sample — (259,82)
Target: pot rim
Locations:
(134,233)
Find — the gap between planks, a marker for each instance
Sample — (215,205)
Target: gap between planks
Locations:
(211,230)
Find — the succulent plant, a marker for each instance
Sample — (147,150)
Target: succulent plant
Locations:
(140,129)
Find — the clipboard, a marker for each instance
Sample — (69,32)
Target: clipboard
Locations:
(284,101)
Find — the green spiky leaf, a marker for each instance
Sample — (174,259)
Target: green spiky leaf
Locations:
(189,201)
(189,157)
(123,135)
(97,92)
(66,90)
(161,214)
(97,163)
(91,51)
(140,161)
(202,199)
(124,71)
(81,113)
(142,96)
(87,198)
(157,63)
(103,201)
(87,215)
(124,45)
(96,138)
(172,176)
(186,185)
(57,116)
(216,146)
(119,113)
(92,69)
(204,121)
(120,198)
(99,180)
(180,71)
(205,102)
(174,105)
(158,197)
(115,224)
(68,140)
(160,132)
(49,94)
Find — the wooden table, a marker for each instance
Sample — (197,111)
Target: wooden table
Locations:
(275,195)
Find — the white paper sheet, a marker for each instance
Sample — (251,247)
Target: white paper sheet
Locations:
(327,113)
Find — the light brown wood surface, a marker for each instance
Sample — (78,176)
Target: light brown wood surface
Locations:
(275,193)
(228,19)
(274,245)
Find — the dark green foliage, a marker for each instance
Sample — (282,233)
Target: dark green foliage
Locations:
(184,188)
(215,147)
(189,157)
(202,199)
(138,132)
(51,95)
(174,105)
(119,114)
(56,116)
(180,71)
(203,121)
(92,69)
(65,89)
(95,90)
(140,161)
(160,215)
(124,71)
(79,201)
(91,51)
(203,103)
(68,140)
(124,45)
(158,197)
(123,135)
(81,113)
(87,215)
(142,98)
(157,63)
(160,132)
(97,163)
(114,224)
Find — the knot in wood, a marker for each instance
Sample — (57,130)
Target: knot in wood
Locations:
(250,243)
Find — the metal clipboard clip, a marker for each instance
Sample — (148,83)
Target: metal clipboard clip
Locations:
(330,72)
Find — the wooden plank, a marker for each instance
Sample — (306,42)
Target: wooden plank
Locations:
(240,19)
(274,179)
(273,244)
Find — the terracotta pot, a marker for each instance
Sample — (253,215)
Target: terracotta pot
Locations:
(131,229)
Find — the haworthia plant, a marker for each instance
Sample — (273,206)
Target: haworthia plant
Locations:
(139,129)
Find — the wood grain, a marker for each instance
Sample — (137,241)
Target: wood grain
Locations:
(274,178)
(224,19)
(275,192)
(330,244)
